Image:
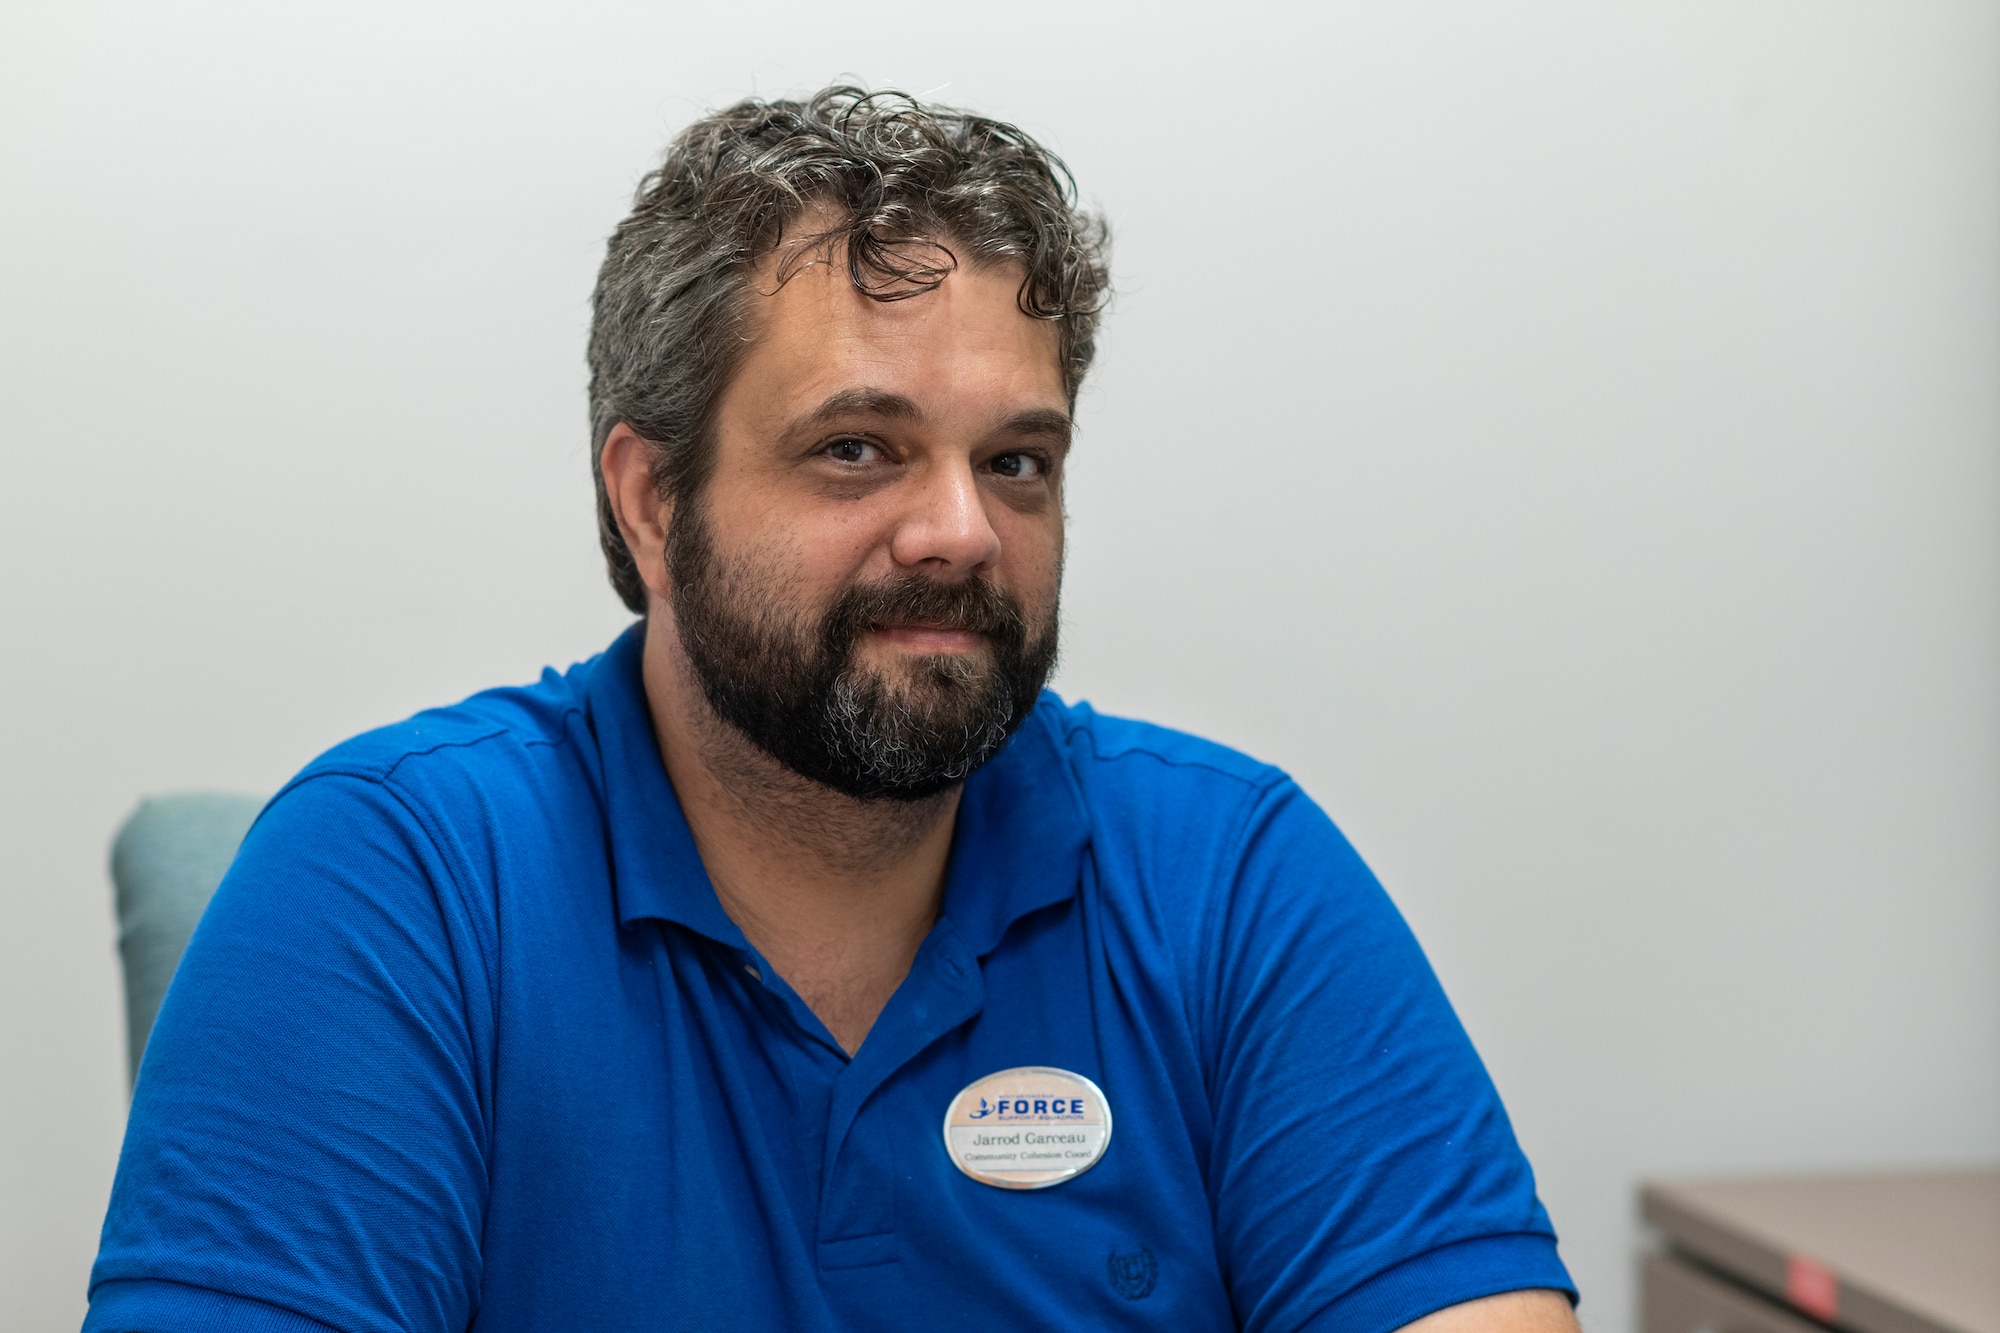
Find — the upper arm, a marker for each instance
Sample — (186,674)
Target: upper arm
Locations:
(1533,1311)
(308,1133)
(1363,1171)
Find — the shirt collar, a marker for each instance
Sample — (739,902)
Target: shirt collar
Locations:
(1018,845)
(1021,834)
(655,870)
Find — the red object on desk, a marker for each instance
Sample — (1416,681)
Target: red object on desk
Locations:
(1812,1287)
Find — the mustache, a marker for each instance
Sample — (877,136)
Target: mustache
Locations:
(975,605)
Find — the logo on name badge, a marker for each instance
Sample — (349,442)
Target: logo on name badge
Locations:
(1027,1128)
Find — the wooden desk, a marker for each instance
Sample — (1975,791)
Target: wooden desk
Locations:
(1910,1253)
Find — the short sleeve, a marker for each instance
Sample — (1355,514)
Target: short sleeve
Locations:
(307,1143)
(1364,1173)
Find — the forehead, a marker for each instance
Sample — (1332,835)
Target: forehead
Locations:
(965,345)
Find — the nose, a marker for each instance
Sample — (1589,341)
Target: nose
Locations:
(945,529)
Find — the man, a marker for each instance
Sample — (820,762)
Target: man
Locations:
(798,963)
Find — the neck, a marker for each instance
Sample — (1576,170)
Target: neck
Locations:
(835,893)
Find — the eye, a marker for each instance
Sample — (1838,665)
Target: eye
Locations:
(1019,467)
(852,451)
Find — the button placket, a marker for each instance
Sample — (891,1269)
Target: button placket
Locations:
(857,1200)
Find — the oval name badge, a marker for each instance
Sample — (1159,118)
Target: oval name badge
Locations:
(1027,1128)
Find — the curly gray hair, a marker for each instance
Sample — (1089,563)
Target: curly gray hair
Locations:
(906,187)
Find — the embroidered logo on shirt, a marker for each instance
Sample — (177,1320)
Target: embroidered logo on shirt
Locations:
(1133,1274)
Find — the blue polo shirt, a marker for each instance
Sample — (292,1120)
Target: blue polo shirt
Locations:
(466,1040)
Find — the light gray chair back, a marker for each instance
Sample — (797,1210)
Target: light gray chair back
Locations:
(166,860)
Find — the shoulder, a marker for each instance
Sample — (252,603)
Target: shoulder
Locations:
(1218,883)
(414,826)
(451,796)
(482,741)
(1185,824)
(1140,763)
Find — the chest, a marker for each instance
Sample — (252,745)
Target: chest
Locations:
(675,1144)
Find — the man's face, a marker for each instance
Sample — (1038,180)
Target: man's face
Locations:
(866,586)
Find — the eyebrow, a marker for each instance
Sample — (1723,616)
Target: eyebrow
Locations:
(861,402)
(1039,421)
(1043,421)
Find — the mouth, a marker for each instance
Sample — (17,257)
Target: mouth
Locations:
(928,637)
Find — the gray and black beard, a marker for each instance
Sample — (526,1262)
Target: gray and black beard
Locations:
(796,692)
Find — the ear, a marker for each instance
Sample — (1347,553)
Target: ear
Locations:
(627,463)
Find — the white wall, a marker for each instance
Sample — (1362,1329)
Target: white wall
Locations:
(1563,434)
